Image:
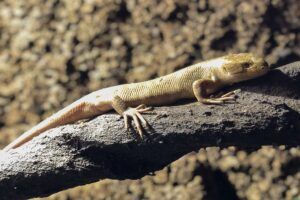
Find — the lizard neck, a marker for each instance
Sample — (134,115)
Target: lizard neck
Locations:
(219,75)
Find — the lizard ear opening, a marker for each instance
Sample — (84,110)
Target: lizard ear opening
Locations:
(246,65)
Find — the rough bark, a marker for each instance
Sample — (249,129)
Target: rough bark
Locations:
(266,112)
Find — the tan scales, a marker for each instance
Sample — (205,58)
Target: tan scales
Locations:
(197,81)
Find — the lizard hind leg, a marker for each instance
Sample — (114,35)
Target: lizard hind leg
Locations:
(128,112)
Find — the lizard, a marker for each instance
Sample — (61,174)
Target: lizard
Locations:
(198,81)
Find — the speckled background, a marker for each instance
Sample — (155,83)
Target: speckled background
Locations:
(53,52)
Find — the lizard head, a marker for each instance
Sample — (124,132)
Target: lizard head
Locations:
(243,66)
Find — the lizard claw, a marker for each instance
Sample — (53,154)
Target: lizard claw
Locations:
(135,114)
(231,94)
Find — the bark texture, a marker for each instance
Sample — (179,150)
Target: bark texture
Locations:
(267,112)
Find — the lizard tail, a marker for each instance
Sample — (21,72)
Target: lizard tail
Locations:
(72,113)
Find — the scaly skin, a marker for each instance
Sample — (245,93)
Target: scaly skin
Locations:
(196,81)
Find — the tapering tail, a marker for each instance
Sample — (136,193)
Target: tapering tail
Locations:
(72,113)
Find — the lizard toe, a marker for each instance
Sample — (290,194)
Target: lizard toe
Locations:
(138,119)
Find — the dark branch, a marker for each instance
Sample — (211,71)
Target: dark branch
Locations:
(267,112)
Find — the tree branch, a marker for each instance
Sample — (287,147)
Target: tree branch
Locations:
(267,112)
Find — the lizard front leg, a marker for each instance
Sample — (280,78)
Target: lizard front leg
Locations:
(135,113)
(201,88)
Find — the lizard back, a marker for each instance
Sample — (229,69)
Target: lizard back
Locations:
(165,89)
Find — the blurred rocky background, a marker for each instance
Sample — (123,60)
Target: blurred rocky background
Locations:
(54,51)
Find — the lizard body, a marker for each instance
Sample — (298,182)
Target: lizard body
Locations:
(196,81)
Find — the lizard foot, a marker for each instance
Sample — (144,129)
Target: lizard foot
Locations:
(135,114)
(223,98)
